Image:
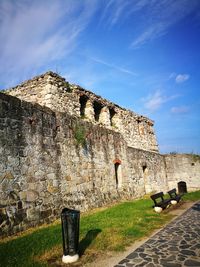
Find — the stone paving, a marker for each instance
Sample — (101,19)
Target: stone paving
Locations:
(176,245)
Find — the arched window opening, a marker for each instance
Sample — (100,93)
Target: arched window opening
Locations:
(144,168)
(118,174)
(112,114)
(83,100)
(147,181)
(97,110)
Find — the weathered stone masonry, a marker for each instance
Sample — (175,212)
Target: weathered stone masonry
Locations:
(53,91)
(183,167)
(50,159)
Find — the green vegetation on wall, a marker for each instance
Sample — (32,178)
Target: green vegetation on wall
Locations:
(80,134)
(196,157)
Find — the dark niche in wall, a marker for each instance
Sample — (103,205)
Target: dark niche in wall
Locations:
(144,168)
(83,100)
(118,174)
(97,110)
(112,114)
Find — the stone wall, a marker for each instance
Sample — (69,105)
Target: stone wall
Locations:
(53,91)
(183,167)
(28,158)
(148,170)
(83,157)
(51,160)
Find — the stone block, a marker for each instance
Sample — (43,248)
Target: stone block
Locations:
(39,174)
(52,189)
(45,213)
(6,185)
(68,178)
(22,195)
(7,175)
(51,176)
(33,214)
(4,202)
(32,186)
(31,196)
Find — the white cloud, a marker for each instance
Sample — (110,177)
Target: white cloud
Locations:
(149,34)
(36,33)
(116,11)
(180,110)
(172,75)
(154,101)
(156,17)
(116,67)
(180,78)
(160,16)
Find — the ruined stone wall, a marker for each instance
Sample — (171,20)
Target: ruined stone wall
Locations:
(28,159)
(148,171)
(183,167)
(53,91)
(48,90)
(138,131)
(51,160)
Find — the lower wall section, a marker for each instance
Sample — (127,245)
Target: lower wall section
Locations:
(183,167)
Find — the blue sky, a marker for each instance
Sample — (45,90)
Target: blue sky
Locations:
(143,55)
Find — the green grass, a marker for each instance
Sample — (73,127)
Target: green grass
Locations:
(192,196)
(108,229)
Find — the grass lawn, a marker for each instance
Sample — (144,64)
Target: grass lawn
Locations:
(103,230)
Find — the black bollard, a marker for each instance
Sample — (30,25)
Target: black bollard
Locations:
(70,232)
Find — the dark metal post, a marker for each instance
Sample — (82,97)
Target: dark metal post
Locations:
(70,232)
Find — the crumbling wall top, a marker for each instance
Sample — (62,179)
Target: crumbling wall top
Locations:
(53,78)
(53,91)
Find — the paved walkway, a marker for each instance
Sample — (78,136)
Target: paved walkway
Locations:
(176,245)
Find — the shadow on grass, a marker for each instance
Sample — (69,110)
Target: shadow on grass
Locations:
(87,240)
